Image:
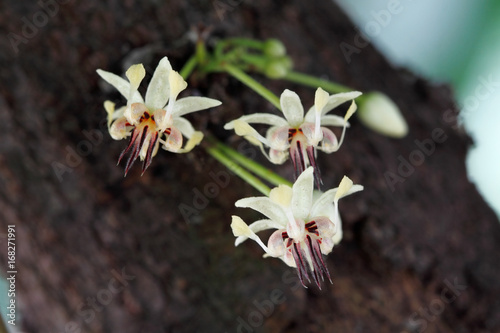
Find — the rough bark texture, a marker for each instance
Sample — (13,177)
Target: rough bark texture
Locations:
(80,224)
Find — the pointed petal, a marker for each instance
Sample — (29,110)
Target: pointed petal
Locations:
(192,104)
(193,141)
(333,102)
(120,84)
(159,90)
(333,120)
(184,126)
(240,228)
(292,108)
(346,187)
(302,194)
(260,118)
(265,206)
(248,132)
(258,226)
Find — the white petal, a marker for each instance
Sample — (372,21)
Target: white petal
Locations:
(184,126)
(278,156)
(159,89)
(324,202)
(122,85)
(320,99)
(248,132)
(176,84)
(282,195)
(302,194)
(258,226)
(333,102)
(265,206)
(240,228)
(275,244)
(278,137)
(193,141)
(192,104)
(260,118)
(110,109)
(333,120)
(345,188)
(292,108)
(135,74)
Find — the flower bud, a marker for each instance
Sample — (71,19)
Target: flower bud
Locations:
(278,68)
(379,113)
(274,48)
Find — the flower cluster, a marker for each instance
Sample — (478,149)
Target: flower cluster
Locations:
(308,224)
(298,136)
(157,119)
(307,221)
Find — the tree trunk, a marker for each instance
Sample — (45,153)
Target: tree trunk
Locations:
(96,252)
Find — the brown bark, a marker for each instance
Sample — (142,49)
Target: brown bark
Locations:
(80,224)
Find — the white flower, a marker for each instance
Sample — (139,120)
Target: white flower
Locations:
(156,119)
(307,227)
(382,115)
(296,135)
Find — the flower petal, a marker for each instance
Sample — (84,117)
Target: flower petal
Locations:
(292,108)
(275,245)
(135,74)
(346,187)
(278,156)
(184,126)
(333,101)
(248,132)
(302,194)
(282,195)
(260,118)
(265,206)
(118,129)
(240,228)
(193,141)
(122,85)
(174,140)
(333,120)
(258,226)
(159,88)
(278,137)
(176,84)
(192,104)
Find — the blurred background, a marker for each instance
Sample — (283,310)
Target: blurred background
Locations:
(459,44)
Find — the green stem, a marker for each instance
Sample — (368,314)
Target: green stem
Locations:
(238,170)
(253,166)
(189,66)
(251,83)
(315,82)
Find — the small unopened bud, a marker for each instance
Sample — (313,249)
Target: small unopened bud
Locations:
(278,68)
(274,48)
(379,113)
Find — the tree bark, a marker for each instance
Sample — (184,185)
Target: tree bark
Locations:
(96,252)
